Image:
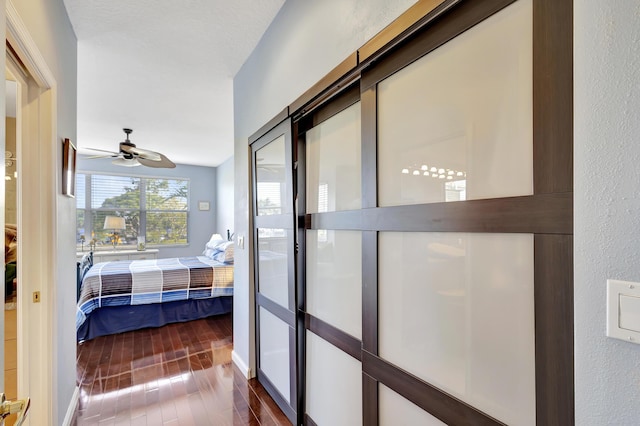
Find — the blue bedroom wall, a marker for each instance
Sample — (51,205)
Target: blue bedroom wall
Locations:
(225,196)
(202,187)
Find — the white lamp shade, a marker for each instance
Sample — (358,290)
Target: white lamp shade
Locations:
(114,222)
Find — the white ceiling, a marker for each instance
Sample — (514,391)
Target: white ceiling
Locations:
(165,69)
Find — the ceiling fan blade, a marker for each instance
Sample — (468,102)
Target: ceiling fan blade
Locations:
(92,157)
(104,150)
(163,163)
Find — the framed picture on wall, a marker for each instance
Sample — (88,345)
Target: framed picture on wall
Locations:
(68,169)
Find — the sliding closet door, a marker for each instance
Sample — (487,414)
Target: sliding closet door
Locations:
(333,265)
(456,309)
(438,233)
(274,258)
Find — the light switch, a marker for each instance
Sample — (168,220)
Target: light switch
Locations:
(629,318)
(623,310)
(241,241)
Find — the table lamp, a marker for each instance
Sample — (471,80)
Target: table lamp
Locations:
(114,223)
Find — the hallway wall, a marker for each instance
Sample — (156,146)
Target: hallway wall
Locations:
(607,206)
(50,28)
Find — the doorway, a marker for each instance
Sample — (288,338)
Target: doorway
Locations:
(33,170)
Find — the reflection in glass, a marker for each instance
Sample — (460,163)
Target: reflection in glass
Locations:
(457,310)
(272,265)
(270,178)
(457,123)
(334,163)
(334,278)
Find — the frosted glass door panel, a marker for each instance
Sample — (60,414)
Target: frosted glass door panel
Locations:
(334,384)
(270,179)
(272,265)
(457,124)
(274,351)
(334,278)
(457,310)
(396,410)
(333,163)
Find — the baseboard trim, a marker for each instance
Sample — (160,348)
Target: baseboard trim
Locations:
(72,407)
(246,371)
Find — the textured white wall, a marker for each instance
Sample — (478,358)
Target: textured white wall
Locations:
(49,26)
(607,205)
(306,40)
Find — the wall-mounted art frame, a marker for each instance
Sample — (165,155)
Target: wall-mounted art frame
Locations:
(68,169)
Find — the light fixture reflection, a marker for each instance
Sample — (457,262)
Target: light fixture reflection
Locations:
(433,171)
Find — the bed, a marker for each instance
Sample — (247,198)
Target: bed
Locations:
(126,295)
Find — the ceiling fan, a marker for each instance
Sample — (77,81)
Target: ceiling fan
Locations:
(269,168)
(130,155)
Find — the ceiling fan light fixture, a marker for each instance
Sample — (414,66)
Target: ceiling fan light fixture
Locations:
(126,162)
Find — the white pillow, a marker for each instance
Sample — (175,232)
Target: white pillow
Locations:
(226,255)
(222,251)
(209,252)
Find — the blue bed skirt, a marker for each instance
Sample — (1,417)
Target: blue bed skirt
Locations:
(118,319)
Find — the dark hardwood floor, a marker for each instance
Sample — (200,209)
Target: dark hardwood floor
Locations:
(179,374)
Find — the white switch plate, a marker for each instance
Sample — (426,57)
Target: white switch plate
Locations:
(623,309)
(241,241)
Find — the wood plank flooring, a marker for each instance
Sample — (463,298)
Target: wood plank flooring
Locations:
(179,374)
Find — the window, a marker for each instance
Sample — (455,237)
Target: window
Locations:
(153,208)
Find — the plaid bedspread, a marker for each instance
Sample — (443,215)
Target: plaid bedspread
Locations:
(136,282)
